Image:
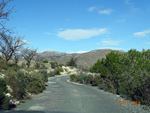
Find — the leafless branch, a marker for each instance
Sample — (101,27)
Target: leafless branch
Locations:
(28,55)
(9,45)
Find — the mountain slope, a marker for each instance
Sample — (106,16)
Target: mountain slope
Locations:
(84,60)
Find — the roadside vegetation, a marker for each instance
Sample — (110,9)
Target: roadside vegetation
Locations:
(125,74)
(22,72)
(20,82)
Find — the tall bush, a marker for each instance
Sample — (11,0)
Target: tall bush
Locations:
(4,100)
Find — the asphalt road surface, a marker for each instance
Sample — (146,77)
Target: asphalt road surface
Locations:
(62,96)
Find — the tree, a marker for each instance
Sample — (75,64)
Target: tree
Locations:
(72,62)
(38,61)
(28,55)
(9,45)
(4,14)
(16,56)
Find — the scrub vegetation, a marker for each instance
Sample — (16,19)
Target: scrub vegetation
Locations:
(126,74)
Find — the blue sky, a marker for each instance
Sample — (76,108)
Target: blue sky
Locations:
(82,25)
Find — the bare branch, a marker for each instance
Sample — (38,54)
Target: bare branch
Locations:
(9,45)
(28,55)
(4,14)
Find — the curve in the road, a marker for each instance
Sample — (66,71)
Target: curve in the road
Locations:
(62,96)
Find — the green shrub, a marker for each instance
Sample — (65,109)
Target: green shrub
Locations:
(45,61)
(51,74)
(72,62)
(85,79)
(58,70)
(54,65)
(97,80)
(126,74)
(36,83)
(18,83)
(101,86)
(122,91)
(44,75)
(72,77)
(109,86)
(4,100)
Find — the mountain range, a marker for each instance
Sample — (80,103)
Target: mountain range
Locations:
(84,60)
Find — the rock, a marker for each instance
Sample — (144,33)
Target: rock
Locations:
(15,102)
(118,95)
(9,89)
(2,75)
(8,94)
(30,95)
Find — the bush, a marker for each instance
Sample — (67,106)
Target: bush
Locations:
(109,86)
(45,61)
(72,62)
(126,74)
(54,65)
(85,79)
(72,77)
(58,70)
(101,86)
(4,100)
(18,83)
(96,80)
(44,75)
(21,84)
(36,83)
(51,74)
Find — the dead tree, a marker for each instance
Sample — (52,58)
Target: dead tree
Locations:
(16,56)
(28,55)
(4,14)
(9,45)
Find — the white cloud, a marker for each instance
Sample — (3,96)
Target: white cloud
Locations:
(26,42)
(141,34)
(91,9)
(130,4)
(106,11)
(121,20)
(109,42)
(76,34)
(97,9)
(80,52)
(111,48)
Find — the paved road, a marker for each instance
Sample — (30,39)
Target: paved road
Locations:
(62,96)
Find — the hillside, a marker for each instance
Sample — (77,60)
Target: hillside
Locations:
(84,60)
